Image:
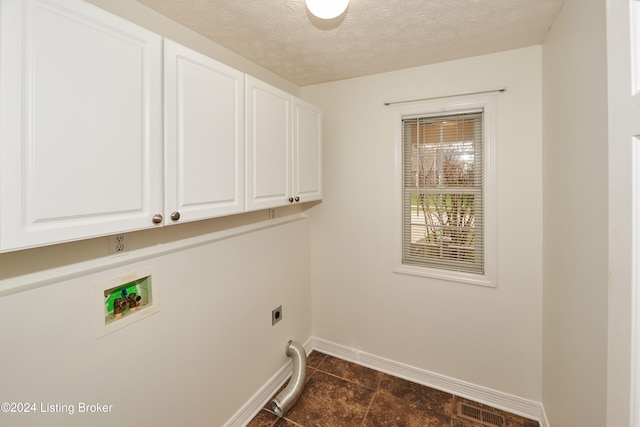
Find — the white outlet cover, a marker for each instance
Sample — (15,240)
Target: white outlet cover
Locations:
(118,245)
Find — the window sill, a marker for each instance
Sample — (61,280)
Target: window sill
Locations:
(452,276)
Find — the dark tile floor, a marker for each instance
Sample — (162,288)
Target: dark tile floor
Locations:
(343,394)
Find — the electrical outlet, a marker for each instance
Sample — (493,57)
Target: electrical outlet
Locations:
(118,245)
(276,315)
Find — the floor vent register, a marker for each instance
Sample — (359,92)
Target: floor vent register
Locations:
(480,415)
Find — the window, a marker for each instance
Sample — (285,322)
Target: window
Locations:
(446,191)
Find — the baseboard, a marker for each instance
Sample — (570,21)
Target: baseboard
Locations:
(514,404)
(544,421)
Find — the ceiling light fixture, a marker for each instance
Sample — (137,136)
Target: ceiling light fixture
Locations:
(327,9)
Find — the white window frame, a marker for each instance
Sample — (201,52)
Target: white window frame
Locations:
(444,106)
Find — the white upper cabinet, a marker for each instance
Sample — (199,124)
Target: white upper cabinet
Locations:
(283,148)
(204,136)
(81,123)
(307,151)
(86,151)
(268,147)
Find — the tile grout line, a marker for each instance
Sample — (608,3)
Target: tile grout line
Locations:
(366,413)
(452,418)
(377,387)
(373,397)
(348,380)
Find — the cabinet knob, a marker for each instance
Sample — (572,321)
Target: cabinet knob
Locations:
(157,219)
(175,216)
(290,199)
(297,199)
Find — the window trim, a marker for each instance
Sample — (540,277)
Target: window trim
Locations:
(486,102)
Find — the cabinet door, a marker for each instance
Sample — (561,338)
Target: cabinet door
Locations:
(204,141)
(307,151)
(80,141)
(268,129)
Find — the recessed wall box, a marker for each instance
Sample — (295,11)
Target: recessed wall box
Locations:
(126,299)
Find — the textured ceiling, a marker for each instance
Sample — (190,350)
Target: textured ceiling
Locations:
(372,36)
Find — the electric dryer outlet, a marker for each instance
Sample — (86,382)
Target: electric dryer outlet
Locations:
(276,315)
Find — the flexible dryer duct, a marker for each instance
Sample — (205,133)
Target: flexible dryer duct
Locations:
(289,396)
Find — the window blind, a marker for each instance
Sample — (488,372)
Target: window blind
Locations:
(443,192)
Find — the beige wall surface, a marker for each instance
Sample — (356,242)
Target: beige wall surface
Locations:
(196,362)
(575,216)
(487,336)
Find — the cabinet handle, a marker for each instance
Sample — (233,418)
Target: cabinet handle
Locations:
(290,199)
(175,216)
(157,219)
(297,199)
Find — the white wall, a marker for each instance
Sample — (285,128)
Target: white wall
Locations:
(196,362)
(575,216)
(487,336)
